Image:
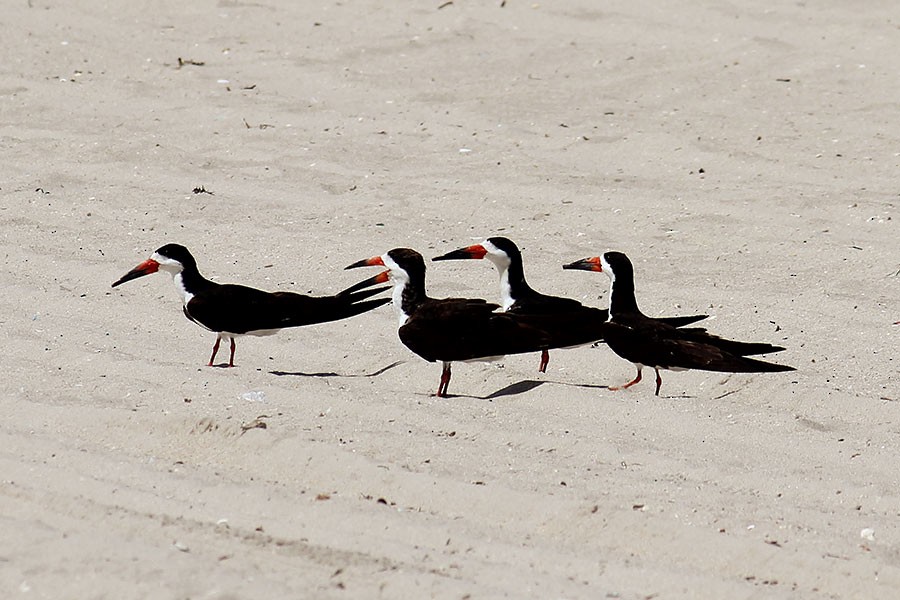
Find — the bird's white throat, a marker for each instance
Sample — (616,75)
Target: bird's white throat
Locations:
(506,299)
(179,285)
(502,262)
(400,279)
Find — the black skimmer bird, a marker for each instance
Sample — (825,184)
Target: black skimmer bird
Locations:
(448,329)
(233,310)
(568,321)
(648,342)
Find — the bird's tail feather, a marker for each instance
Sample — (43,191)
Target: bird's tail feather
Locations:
(751,365)
(300,310)
(356,295)
(699,334)
(746,348)
(681,321)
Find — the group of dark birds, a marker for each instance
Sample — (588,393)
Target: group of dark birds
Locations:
(467,329)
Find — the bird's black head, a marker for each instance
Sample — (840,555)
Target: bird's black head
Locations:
(507,246)
(176,252)
(618,266)
(409,260)
(404,265)
(171,258)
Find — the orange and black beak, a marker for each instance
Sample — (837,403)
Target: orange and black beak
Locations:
(145,268)
(586,264)
(375,261)
(382,277)
(469,252)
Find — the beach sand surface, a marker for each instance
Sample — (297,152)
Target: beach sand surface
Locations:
(744,155)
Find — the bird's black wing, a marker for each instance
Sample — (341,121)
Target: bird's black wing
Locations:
(687,354)
(463,329)
(568,327)
(656,344)
(240,309)
(681,321)
(702,336)
(537,303)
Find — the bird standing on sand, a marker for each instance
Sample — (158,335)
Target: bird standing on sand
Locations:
(447,329)
(647,342)
(567,321)
(232,310)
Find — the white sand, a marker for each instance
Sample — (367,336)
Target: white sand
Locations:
(570,127)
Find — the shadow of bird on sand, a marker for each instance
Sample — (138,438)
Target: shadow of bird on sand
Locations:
(333,374)
(520,387)
(513,389)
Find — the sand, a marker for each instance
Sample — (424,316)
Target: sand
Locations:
(745,156)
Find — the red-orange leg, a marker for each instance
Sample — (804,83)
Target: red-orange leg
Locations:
(445,381)
(545,359)
(215,350)
(630,383)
